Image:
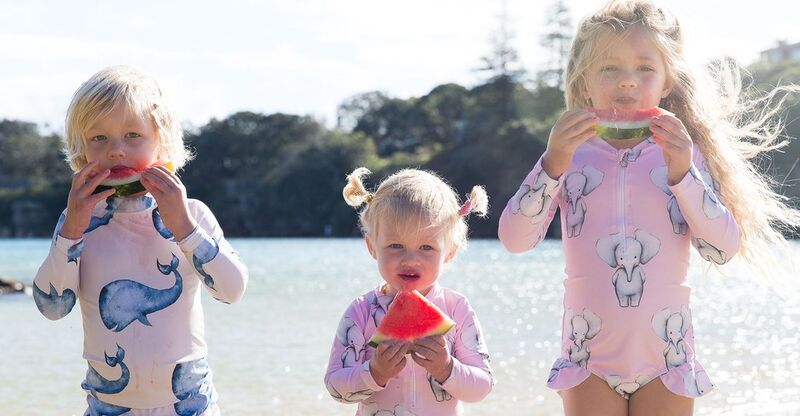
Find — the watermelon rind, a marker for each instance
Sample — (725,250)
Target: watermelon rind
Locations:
(610,132)
(124,189)
(625,124)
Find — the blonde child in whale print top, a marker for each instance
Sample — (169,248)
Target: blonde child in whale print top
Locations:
(631,210)
(136,264)
(413,225)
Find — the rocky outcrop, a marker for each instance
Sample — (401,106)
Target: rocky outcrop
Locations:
(11,286)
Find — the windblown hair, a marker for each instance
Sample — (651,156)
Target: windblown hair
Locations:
(414,199)
(729,126)
(110,88)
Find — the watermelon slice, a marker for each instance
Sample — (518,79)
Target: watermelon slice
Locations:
(126,182)
(618,124)
(411,317)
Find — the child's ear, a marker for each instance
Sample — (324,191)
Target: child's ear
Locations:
(667,89)
(451,254)
(370,248)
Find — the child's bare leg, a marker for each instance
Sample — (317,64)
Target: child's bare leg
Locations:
(653,399)
(593,397)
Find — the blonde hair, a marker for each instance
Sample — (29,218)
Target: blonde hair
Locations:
(114,86)
(729,126)
(413,194)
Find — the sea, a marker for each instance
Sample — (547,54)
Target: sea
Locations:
(269,352)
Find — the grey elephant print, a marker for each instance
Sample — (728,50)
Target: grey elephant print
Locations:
(627,255)
(96,383)
(191,385)
(580,329)
(398,411)
(629,156)
(557,366)
(709,252)
(625,389)
(672,327)
(659,178)
(124,301)
(439,392)
(353,397)
(698,383)
(52,305)
(353,340)
(379,306)
(533,201)
(577,185)
(712,206)
(471,338)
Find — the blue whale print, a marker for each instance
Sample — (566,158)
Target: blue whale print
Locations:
(105,219)
(203,254)
(74,252)
(191,384)
(59,224)
(125,301)
(160,227)
(100,408)
(96,383)
(51,305)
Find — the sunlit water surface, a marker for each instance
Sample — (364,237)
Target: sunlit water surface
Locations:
(269,351)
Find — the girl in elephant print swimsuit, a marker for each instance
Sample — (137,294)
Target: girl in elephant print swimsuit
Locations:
(631,209)
(136,263)
(413,225)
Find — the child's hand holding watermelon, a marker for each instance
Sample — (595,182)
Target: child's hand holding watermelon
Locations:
(389,359)
(571,130)
(170,194)
(670,134)
(81,200)
(432,354)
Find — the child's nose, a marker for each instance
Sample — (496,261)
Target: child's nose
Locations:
(410,257)
(627,82)
(116,154)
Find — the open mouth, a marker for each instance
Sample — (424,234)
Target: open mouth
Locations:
(119,172)
(409,276)
(625,100)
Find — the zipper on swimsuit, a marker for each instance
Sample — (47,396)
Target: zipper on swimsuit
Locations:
(623,164)
(413,386)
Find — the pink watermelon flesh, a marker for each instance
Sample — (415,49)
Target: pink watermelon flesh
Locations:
(618,124)
(411,317)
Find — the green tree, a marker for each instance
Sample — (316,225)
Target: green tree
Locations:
(556,40)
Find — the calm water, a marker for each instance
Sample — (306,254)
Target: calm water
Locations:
(269,351)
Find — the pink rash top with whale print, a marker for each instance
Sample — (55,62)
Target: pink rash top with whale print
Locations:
(139,293)
(626,236)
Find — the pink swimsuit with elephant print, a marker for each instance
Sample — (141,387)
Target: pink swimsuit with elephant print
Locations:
(626,237)
(412,391)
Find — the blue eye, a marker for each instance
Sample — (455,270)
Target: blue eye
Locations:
(426,247)
(98,138)
(646,68)
(608,68)
(395,245)
(132,135)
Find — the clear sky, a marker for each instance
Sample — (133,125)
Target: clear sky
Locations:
(306,56)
